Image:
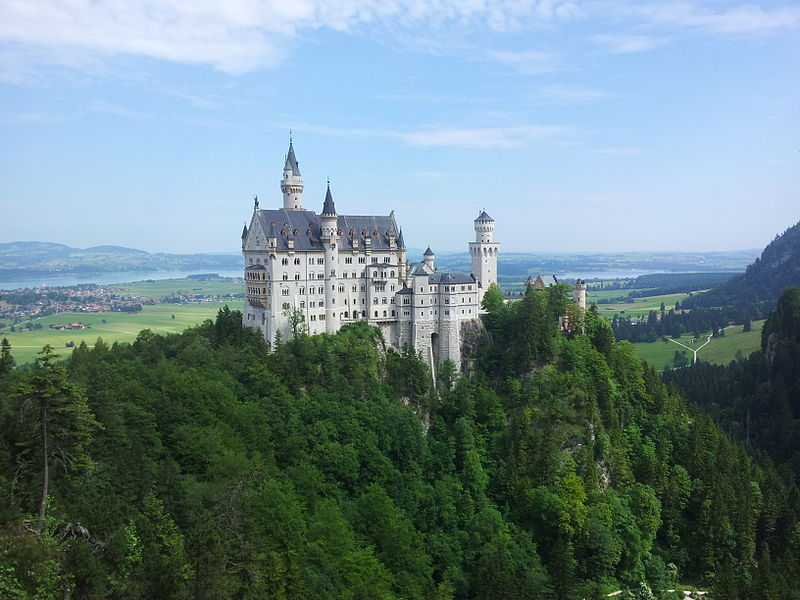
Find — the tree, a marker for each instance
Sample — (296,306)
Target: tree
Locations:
(60,421)
(747,325)
(6,360)
(297,322)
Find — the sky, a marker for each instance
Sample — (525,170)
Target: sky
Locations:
(580,126)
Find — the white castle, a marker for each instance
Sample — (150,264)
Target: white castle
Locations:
(330,269)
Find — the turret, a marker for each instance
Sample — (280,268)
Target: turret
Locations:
(428,257)
(483,252)
(292,183)
(329,236)
(579,293)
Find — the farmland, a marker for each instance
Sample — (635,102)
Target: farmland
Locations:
(111,326)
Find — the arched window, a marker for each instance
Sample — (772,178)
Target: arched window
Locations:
(297,276)
(284,261)
(297,261)
(376,313)
(285,276)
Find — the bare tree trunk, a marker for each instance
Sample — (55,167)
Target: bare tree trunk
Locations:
(46,473)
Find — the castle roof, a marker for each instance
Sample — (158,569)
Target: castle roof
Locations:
(244,231)
(451,278)
(428,252)
(304,229)
(484,216)
(328,208)
(291,162)
(400,242)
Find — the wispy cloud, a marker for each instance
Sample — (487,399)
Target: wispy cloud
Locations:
(237,36)
(119,111)
(513,136)
(570,94)
(528,63)
(624,43)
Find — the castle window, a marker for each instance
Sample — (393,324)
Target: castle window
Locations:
(376,313)
(362,260)
(312,304)
(348,260)
(355,287)
(302,303)
(284,291)
(392,300)
(313,317)
(391,287)
(392,313)
(374,259)
(375,274)
(344,314)
(421,289)
(322,317)
(312,290)
(303,290)
(387,259)
(297,276)
(406,313)
(374,300)
(297,261)
(363,288)
(384,313)
(341,288)
(251,261)
(406,301)
(354,275)
(391,273)
(284,261)
(320,261)
(447,300)
(285,276)
(311,261)
(447,312)
(285,306)
(344,275)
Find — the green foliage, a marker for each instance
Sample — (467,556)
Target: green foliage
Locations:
(331,468)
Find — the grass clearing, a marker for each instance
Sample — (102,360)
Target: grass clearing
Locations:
(639,306)
(720,351)
(118,326)
(174,287)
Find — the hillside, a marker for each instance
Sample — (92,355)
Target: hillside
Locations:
(199,465)
(41,258)
(777,268)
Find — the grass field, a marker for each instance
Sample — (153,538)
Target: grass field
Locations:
(639,306)
(170,287)
(595,295)
(118,327)
(720,351)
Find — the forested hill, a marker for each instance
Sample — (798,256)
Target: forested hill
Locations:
(757,399)
(200,465)
(777,268)
(26,258)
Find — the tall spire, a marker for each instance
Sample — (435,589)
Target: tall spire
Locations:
(328,208)
(291,161)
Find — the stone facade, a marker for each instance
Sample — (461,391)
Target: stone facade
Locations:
(328,270)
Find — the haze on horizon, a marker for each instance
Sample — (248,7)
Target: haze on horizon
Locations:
(579,126)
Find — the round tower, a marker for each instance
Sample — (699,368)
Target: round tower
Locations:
(483,252)
(292,183)
(329,236)
(579,293)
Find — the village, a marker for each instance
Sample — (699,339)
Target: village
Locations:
(19,307)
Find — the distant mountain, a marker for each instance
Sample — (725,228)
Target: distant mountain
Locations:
(777,268)
(18,259)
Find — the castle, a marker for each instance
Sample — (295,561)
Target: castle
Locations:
(328,270)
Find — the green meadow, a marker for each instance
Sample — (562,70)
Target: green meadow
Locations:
(638,306)
(111,326)
(720,350)
(175,287)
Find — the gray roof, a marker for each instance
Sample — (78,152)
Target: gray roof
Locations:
(254,267)
(244,231)
(291,161)
(303,226)
(400,241)
(428,252)
(451,278)
(328,208)
(419,269)
(406,290)
(484,216)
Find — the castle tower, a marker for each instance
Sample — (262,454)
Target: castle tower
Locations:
(330,237)
(292,183)
(579,293)
(484,253)
(428,257)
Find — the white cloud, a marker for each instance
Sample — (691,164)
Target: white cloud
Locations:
(513,136)
(570,94)
(236,36)
(117,110)
(622,43)
(528,63)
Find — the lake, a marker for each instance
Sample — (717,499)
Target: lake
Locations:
(110,277)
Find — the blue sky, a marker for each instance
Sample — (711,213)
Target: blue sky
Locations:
(579,126)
